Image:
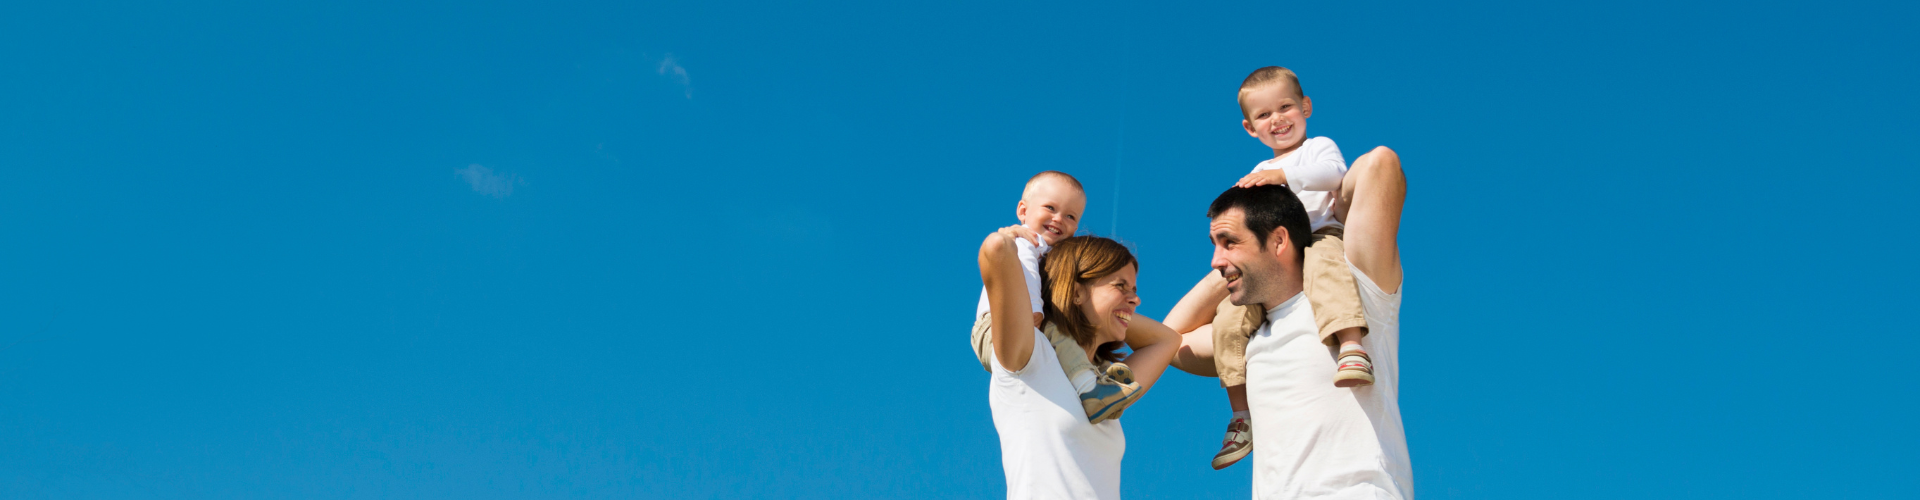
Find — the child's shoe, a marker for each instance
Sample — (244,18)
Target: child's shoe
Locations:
(1356,369)
(1110,396)
(1238,444)
(1122,375)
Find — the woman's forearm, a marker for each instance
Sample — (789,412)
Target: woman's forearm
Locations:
(1153,346)
(1197,307)
(1007,300)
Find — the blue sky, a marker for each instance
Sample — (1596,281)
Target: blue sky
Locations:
(725,250)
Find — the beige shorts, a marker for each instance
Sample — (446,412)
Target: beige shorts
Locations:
(1329,287)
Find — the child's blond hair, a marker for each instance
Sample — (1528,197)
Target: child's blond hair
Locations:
(1268,76)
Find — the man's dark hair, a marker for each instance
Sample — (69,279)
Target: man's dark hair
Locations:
(1268,207)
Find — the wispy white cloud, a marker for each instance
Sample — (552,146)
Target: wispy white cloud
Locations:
(486,181)
(671,69)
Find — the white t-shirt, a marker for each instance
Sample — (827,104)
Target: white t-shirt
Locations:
(1029,269)
(1313,172)
(1047,447)
(1314,440)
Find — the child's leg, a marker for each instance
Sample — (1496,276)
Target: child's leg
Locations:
(1237,397)
(1073,359)
(1331,289)
(1101,396)
(1335,296)
(1233,326)
(983,340)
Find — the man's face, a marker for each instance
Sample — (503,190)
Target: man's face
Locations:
(1052,208)
(1252,270)
(1277,116)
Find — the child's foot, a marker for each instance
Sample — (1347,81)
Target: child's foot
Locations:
(1122,375)
(1109,397)
(1238,444)
(1356,369)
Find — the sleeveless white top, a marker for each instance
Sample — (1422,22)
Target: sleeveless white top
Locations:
(1046,445)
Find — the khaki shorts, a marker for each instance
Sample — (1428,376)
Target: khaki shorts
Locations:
(1329,287)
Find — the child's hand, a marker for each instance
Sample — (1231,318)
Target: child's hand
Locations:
(1275,177)
(1019,231)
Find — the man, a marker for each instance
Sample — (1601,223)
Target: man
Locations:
(1317,440)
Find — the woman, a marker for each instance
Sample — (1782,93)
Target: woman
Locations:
(1046,445)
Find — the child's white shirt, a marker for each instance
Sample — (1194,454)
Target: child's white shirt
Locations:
(1029,269)
(1313,172)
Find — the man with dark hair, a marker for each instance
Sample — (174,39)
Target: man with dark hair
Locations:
(1265,208)
(1317,440)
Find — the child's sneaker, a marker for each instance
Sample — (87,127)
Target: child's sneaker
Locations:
(1110,395)
(1356,369)
(1238,444)
(1122,375)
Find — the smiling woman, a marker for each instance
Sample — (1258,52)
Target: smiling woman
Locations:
(1048,447)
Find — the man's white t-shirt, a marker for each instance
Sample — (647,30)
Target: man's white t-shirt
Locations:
(1029,269)
(1314,440)
(1047,447)
(1313,171)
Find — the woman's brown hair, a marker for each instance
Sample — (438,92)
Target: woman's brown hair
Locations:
(1071,265)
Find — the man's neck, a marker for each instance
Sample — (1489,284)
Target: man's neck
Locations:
(1290,285)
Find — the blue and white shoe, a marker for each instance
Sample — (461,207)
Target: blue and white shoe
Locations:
(1111,394)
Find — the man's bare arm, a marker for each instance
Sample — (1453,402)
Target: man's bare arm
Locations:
(1196,353)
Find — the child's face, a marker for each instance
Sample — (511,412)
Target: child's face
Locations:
(1052,208)
(1277,116)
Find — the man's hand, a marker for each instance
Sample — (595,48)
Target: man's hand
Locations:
(1275,177)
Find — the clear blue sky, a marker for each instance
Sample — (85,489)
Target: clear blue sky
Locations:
(725,250)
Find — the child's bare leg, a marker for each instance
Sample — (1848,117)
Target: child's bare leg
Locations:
(1232,327)
(1237,398)
(1350,338)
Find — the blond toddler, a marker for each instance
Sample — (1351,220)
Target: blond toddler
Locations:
(1274,110)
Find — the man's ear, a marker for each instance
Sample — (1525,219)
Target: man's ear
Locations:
(1306,107)
(1278,240)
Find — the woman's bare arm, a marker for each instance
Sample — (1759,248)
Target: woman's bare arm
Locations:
(1007,297)
(1153,347)
(1197,308)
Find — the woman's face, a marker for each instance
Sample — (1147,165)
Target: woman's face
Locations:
(1108,302)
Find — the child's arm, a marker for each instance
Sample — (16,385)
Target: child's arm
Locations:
(1322,170)
(1007,296)
(1197,307)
